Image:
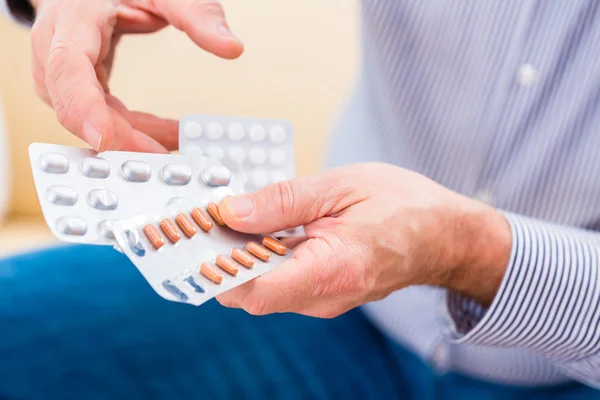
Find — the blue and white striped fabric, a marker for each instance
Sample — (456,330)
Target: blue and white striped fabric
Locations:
(499,100)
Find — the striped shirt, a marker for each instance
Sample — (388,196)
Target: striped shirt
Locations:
(498,100)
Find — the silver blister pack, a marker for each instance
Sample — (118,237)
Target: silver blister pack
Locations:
(187,270)
(83,193)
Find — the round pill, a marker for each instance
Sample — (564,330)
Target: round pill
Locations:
(257,133)
(214,131)
(105,228)
(277,157)
(102,199)
(95,167)
(54,163)
(235,132)
(277,134)
(257,156)
(214,151)
(177,175)
(216,175)
(192,150)
(236,153)
(71,226)
(278,177)
(136,171)
(61,195)
(259,179)
(192,130)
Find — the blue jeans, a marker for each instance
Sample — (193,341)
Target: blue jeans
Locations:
(80,322)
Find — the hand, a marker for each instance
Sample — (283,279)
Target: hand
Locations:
(372,229)
(73,47)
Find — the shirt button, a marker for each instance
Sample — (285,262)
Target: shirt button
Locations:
(485,196)
(527,75)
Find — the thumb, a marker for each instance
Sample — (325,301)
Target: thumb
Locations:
(283,205)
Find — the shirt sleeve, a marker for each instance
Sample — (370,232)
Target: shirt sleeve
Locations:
(548,302)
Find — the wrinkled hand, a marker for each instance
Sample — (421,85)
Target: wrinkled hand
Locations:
(73,47)
(371,229)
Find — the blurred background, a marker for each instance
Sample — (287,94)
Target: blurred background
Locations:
(300,62)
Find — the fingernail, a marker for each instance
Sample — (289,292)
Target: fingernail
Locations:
(240,206)
(91,136)
(224,31)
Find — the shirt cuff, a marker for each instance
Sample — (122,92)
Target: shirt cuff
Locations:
(548,301)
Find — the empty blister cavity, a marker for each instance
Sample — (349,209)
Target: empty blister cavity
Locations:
(277,134)
(102,199)
(136,171)
(216,175)
(197,288)
(214,131)
(192,130)
(257,133)
(235,132)
(54,163)
(95,167)
(134,243)
(174,290)
(71,226)
(179,203)
(61,195)
(105,228)
(178,175)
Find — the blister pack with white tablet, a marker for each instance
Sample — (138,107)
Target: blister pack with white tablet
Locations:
(264,147)
(189,256)
(83,193)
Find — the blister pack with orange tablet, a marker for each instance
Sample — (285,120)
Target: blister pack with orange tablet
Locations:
(189,255)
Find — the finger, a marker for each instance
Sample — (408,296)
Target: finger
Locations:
(295,284)
(293,242)
(164,131)
(40,39)
(286,204)
(135,20)
(204,22)
(130,139)
(76,94)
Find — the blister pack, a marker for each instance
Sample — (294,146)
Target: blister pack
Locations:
(188,255)
(264,147)
(83,193)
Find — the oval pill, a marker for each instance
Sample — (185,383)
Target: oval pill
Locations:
(102,199)
(213,210)
(216,175)
(105,228)
(192,130)
(95,167)
(211,273)
(243,258)
(154,236)
(54,163)
(71,226)
(202,219)
(170,230)
(136,171)
(177,175)
(61,195)
(258,251)
(186,225)
(274,245)
(227,265)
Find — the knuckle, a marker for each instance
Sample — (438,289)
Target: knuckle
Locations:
(63,107)
(255,305)
(211,7)
(58,56)
(284,197)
